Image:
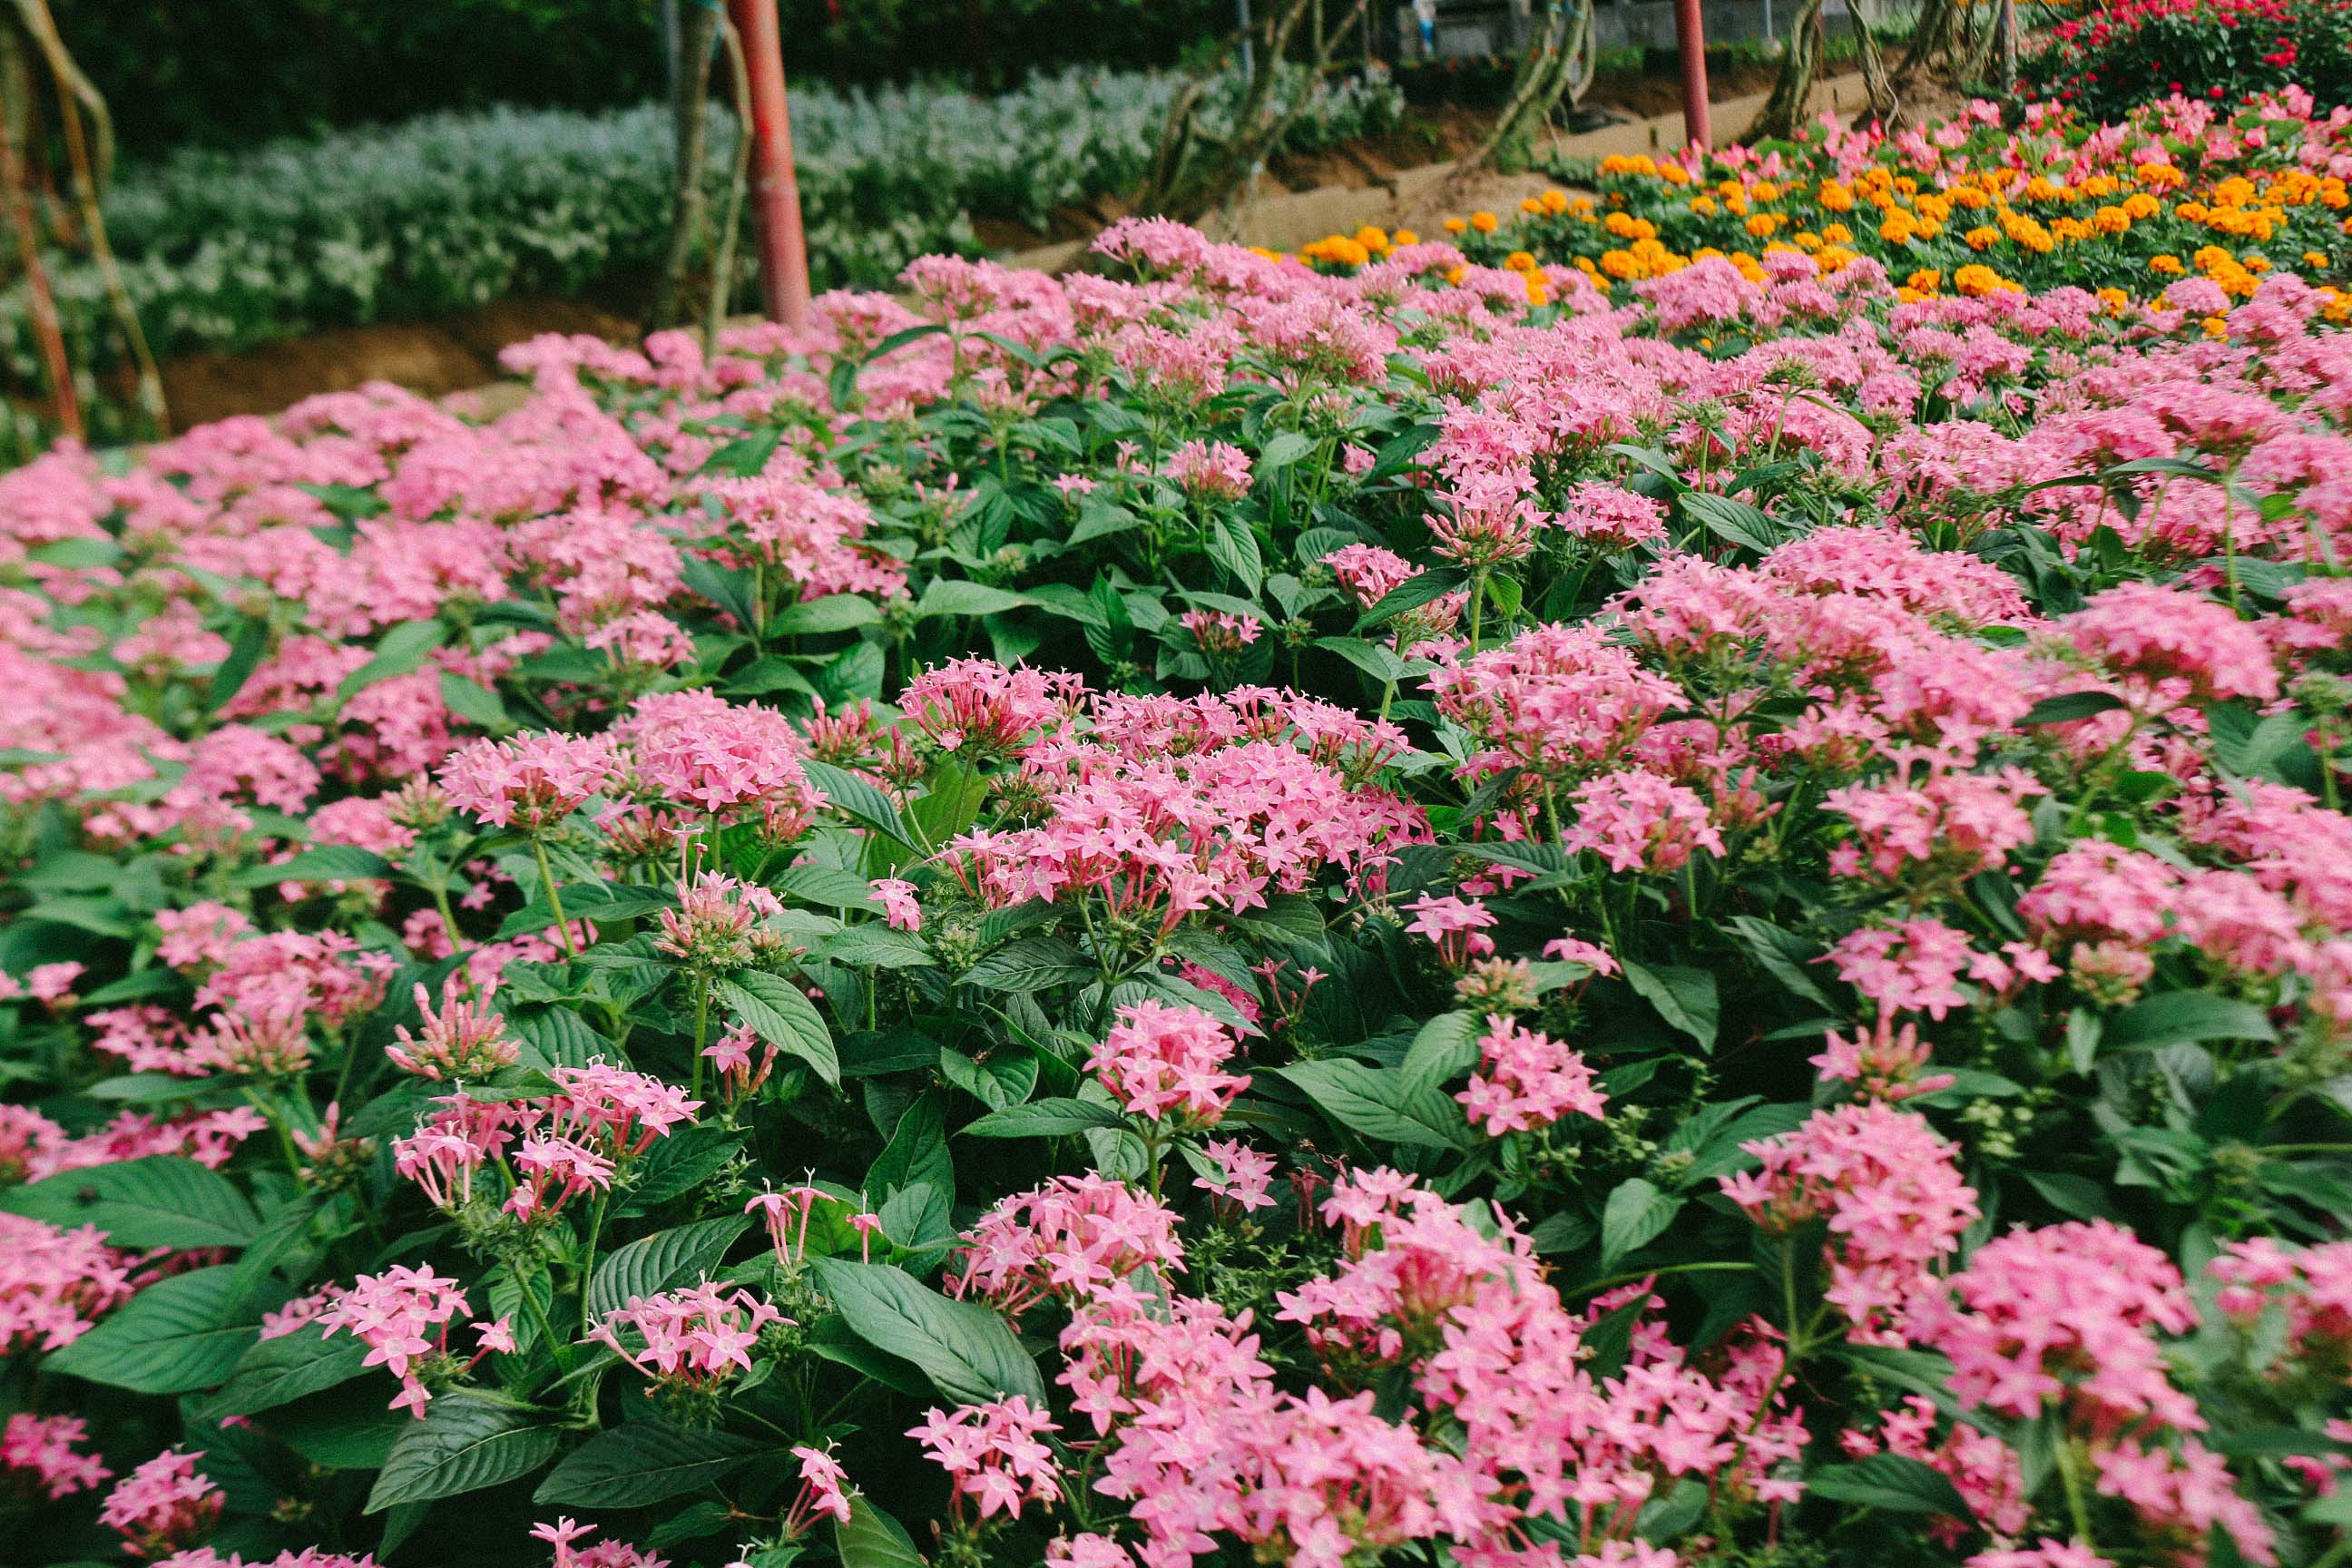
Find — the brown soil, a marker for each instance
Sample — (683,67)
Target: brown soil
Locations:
(440,357)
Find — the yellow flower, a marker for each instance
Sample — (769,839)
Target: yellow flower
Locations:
(1762,224)
(2115,301)
(1453,226)
(1371,239)
(1519,261)
(1927,280)
(1837,234)
(1484,222)
(2139,205)
(1976,280)
(2314,259)
(2217,326)
(1532,207)
(1983,237)
(2167,266)
(1704,207)
(1836,197)
(1766,190)
(1405,236)
(1554,201)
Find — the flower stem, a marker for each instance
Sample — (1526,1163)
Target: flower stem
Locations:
(554,903)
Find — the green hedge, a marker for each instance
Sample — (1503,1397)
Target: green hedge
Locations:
(225,250)
(234,72)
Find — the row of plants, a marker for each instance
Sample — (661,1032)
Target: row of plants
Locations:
(177,75)
(1211,915)
(221,251)
(2112,61)
(2182,189)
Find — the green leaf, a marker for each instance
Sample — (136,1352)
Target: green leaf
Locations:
(280,1371)
(467,1441)
(641,1462)
(856,798)
(1380,1104)
(1380,663)
(1284,451)
(1447,1046)
(399,651)
(1030,964)
(1410,595)
(872,1539)
(1891,1483)
(1046,1119)
(1782,954)
(160,1201)
(1636,1215)
(957,596)
(2177,1017)
(833,613)
(2068,706)
(873,947)
(328,863)
(172,1338)
(780,1014)
(1233,545)
(469,699)
(828,885)
(245,654)
(1684,997)
(1733,520)
(1003,1080)
(664,1260)
(966,1350)
(917,1154)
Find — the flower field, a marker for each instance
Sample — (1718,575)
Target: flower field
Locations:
(2178,188)
(1400,911)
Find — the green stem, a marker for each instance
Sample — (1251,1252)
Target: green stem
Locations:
(1596,1287)
(557,1348)
(554,903)
(449,917)
(588,1261)
(2077,1507)
(2229,535)
(702,1032)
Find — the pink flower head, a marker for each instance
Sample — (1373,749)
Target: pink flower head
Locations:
(1526,1079)
(900,910)
(694,1338)
(43,1449)
(994,1455)
(1211,471)
(1159,1058)
(161,1506)
(531,781)
(464,1040)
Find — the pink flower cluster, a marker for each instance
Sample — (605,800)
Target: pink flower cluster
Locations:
(1158,1058)
(404,1315)
(694,1338)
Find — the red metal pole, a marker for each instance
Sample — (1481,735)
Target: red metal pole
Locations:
(775,190)
(1690,36)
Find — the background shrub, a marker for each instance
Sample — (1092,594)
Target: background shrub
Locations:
(2221,50)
